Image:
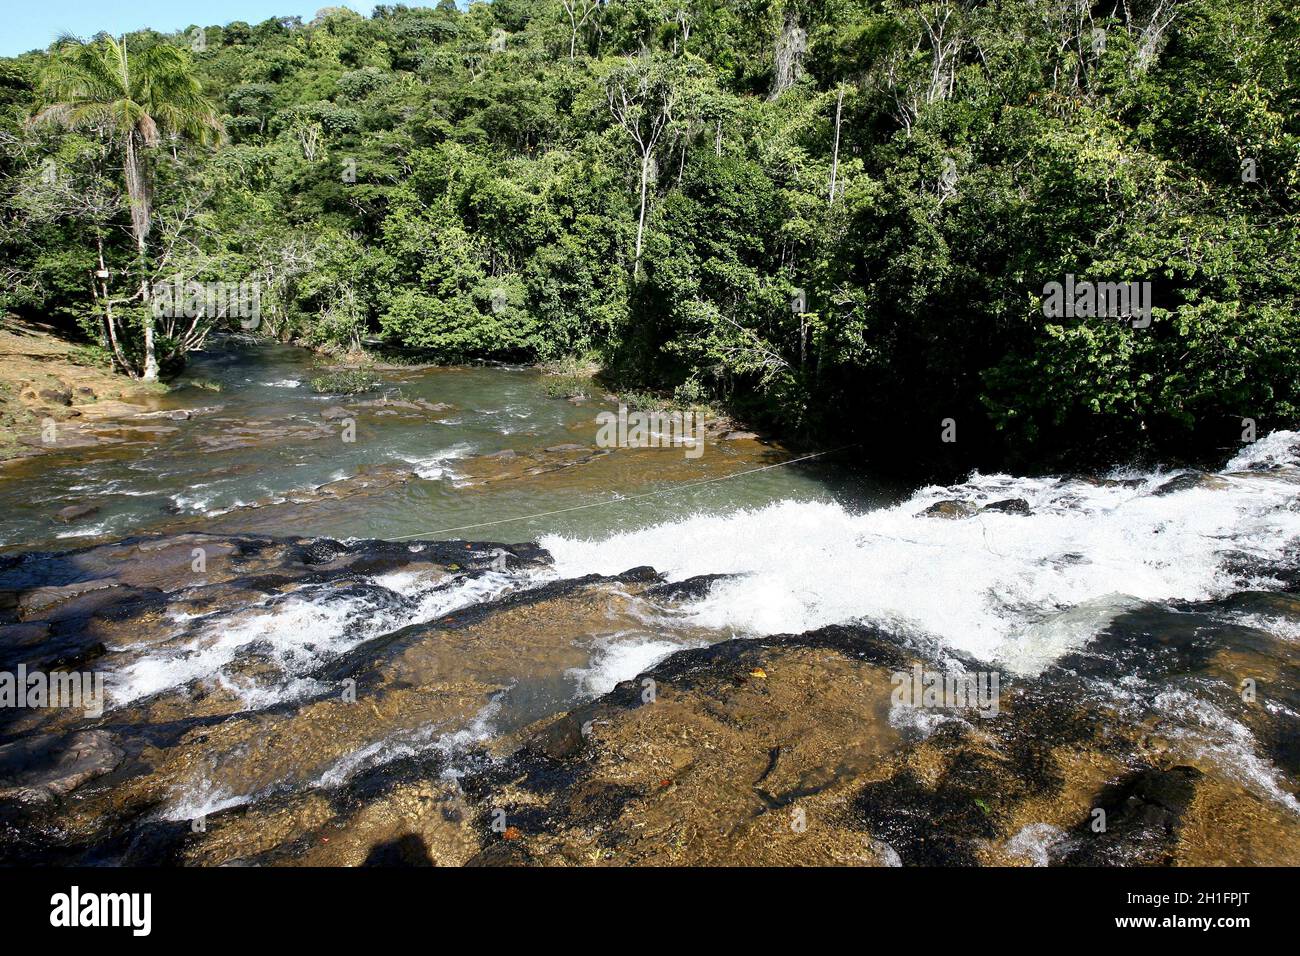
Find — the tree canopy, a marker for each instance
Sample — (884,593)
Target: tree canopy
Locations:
(838,217)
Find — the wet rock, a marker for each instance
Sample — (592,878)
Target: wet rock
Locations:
(41,601)
(171,414)
(55,396)
(73,512)
(38,770)
(705,757)
(1189,481)
(1106,482)
(1010,506)
(739,436)
(335,413)
(501,853)
(19,636)
(950,509)
(505,455)
(1143,815)
(567,447)
(66,439)
(691,588)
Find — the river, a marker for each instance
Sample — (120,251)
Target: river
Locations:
(1151,595)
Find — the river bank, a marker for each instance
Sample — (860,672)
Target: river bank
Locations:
(46,379)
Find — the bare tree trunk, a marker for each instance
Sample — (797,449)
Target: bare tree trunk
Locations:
(110,325)
(791,45)
(137,188)
(640,225)
(835,157)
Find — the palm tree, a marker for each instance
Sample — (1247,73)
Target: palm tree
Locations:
(133,98)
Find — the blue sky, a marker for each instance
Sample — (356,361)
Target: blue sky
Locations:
(33,24)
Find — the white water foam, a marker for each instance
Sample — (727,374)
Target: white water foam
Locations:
(296,633)
(1278,450)
(425,740)
(621,657)
(435,467)
(1016,589)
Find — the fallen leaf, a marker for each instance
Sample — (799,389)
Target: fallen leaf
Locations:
(512,833)
(759,673)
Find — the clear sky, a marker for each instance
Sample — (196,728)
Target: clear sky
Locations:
(33,24)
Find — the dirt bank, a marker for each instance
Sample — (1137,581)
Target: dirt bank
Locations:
(46,378)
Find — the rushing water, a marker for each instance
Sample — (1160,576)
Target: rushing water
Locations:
(1075,563)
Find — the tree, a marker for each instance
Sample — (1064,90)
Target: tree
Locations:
(647,97)
(578,12)
(132,98)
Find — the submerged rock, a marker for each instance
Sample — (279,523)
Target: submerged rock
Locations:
(1142,816)
(73,512)
(389,703)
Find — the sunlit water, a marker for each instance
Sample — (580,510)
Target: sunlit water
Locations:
(154,480)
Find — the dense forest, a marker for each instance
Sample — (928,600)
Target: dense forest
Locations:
(836,218)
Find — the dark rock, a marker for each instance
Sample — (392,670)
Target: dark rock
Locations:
(1106,482)
(642,573)
(55,396)
(1189,481)
(73,512)
(950,509)
(501,852)
(1010,506)
(40,601)
(23,635)
(1143,814)
(696,587)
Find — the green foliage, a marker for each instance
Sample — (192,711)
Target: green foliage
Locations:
(346,382)
(653,184)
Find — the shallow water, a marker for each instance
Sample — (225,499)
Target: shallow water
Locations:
(188,474)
